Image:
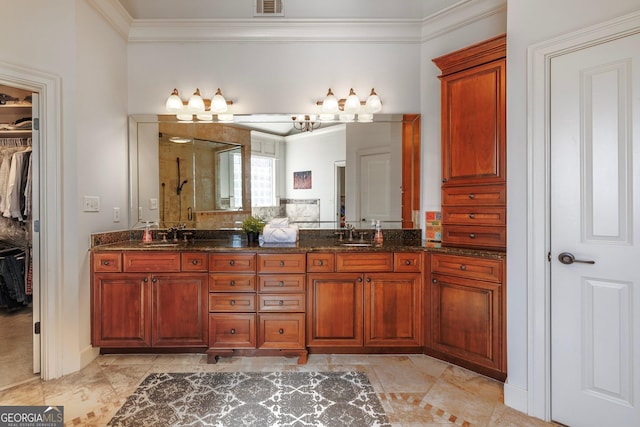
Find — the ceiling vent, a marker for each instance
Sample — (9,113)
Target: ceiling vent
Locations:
(269,8)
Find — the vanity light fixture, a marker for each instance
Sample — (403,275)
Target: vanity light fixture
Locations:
(203,109)
(351,104)
(305,122)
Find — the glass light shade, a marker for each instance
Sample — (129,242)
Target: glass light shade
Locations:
(226,118)
(174,103)
(218,103)
(365,117)
(205,117)
(347,117)
(196,103)
(185,117)
(330,103)
(373,104)
(352,104)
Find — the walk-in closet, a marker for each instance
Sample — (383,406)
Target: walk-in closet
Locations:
(16,260)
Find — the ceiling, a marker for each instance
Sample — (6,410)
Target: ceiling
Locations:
(293,9)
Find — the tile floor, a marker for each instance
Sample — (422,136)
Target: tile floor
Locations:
(16,346)
(415,390)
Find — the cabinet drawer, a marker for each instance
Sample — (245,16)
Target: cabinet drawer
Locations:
(228,262)
(468,267)
(232,302)
(409,262)
(462,235)
(107,262)
(232,330)
(281,331)
(141,262)
(281,303)
(282,263)
(194,261)
(364,261)
(321,262)
(281,282)
(475,195)
(475,216)
(232,282)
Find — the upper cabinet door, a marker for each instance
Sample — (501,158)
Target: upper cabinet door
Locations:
(473,125)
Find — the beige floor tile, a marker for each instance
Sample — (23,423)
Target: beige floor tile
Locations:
(400,375)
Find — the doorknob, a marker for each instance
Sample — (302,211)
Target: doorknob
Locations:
(568,258)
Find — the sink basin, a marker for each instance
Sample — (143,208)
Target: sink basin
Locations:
(163,244)
(357,244)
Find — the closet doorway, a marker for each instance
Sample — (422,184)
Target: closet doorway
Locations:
(19,292)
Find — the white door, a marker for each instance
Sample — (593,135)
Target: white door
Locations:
(375,187)
(35,234)
(595,217)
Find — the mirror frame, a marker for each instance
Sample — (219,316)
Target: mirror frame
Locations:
(239,132)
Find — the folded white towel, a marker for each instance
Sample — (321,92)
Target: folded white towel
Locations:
(280,234)
(279,222)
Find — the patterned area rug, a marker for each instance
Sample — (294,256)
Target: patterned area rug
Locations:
(253,399)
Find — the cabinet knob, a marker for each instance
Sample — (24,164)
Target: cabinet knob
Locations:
(320,263)
(463,267)
(146,279)
(472,196)
(472,235)
(434,281)
(472,216)
(105,262)
(281,331)
(232,262)
(232,283)
(359,279)
(232,302)
(281,263)
(281,284)
(154,280)
(194,261)
(369,279)
(233,331)
(407,262)
(280,302)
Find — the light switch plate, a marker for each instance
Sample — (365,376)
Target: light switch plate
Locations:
(153,204)
(91,204)
(116,214)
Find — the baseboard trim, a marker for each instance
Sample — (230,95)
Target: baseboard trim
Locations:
(516,397)
(88,355)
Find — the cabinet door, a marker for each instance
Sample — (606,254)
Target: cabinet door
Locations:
(468,320)
(392,309)
(334,309)
(180,310)
(473,125)
(121,312)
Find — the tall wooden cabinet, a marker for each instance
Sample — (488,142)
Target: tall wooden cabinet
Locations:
(473,99)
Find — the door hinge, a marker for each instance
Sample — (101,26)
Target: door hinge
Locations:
(36,123)
(549,256)
(36,328)
(36,225)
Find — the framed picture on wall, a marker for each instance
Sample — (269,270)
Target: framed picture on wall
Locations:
(302,180)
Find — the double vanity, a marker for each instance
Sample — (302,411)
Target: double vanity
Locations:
(216,293)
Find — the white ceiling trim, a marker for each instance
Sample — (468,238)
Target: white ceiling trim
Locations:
(115,14)
(276,30)
(458,16)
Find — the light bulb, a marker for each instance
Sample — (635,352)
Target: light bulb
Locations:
(352,104)
(330,103)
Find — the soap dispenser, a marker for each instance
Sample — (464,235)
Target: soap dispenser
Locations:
(377,237)
(146,234)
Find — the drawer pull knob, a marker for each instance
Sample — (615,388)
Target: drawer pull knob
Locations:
(105,262)
(320,263)
(407,262)
(232,302)
(281,284)
(359,279)
(232,283)
(472,235)
(463,267)
(434,281)
(194,261)
(154,280)
(281,331)
(232,262)
(233,331)
(280,302)
(281,263)
(472,216)
(472,196)
(146,279)
(369,279)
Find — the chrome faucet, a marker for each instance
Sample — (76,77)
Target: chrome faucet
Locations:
(350,231)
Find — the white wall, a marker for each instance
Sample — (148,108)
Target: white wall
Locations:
(530,23)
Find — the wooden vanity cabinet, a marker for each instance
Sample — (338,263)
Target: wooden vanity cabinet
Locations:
(372,300)
(147,300)
(473,124)
(466,313)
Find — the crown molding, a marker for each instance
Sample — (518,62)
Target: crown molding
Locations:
(458,16)
(276,30)
(115,14)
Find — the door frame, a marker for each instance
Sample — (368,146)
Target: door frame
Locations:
(539,194)
(48,242)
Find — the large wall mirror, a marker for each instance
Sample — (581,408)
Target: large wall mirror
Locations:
(213,175)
